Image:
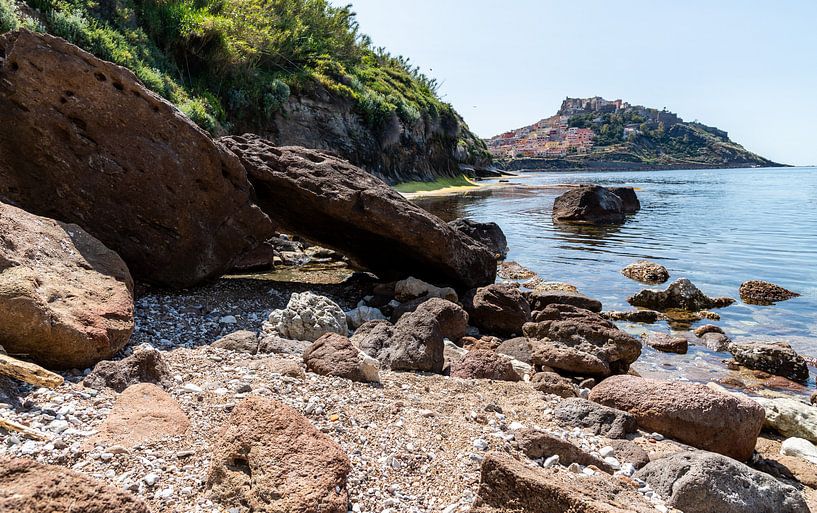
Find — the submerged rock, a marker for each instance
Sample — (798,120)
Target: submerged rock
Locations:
(269,457)
(703,482)
(489,235)
(588,204)
(581,342)
(27,486)
(717,342)
(757,292)
(642,316)
(66,301)
(646,272)
(776,358)
(700,331)
(681,295)
(83,141)
(307,316)
(693,414)
(345,208)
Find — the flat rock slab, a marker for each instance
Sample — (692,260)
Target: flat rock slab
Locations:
(326,199)
(27,486)
(83,141)
(142,413)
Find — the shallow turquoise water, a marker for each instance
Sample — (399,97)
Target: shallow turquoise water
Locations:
(718,228)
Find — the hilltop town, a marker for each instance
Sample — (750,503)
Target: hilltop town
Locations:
(594,132)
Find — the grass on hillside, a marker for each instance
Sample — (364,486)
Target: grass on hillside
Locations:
(440,183)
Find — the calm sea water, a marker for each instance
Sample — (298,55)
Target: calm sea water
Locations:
(718,228)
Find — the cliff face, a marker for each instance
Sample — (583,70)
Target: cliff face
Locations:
(433,146)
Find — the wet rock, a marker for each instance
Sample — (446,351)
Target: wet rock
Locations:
(700,331)
(412,288)
(268,457)
(693,414)
(144,365)
(538,444)
(27,486)
(552,383)
(85,142)
(590,204)
(643,316)
(514,271)
(415,342)
(681,294)
(307,316)
(716,341)
(271,343)
(776,358)
(66,301)
(667,343)
(757,292)
(498,308)
(539,299)
(239,341)
(334,355)
(597,418)
(790,417)
(343,207)
(646,272)
(489,235)
(509,485)
(142,413)
(580,341)
(703,482)
(629,201)
(362,314)
(484,364)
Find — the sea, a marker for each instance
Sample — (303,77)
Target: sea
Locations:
(718,228)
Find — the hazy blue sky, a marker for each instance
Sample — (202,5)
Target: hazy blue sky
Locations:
(748,67)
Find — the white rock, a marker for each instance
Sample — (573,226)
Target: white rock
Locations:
(480,444)
(790,417)
(516,425)
(369,366)
(363,314)
(307,317)
(614,463)
(412,288)
(192,388)
(553,460)
(228,319)
(801,448)
(604,452)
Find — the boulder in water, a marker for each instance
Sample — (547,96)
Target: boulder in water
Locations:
(591,204)
(489,235)
(629,201)
(757,292)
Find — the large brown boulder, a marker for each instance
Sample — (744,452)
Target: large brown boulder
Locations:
(416,341)
(758,292)
(27,486)
(629,200)
(498,308)
(268,457)
(579,341)
(83,141)
(65,299)
(144,365)
(693,414)
(326,199)
(590,204)
(509,485)
(682,294)
(334,355)
(484,364)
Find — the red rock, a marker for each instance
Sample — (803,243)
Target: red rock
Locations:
(552,383)
(484,364)
(268,457)
(693,414)
(668,343)
(65,299)
(27,486)
(334,355)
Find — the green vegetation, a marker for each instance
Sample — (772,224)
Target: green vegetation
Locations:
(229,62)
(440,183)
(11,18)
(609,127)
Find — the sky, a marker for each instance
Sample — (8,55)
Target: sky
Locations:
(748,67)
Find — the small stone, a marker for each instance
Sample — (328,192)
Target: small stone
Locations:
(150,479)
(192,388)
(480,444)
(553,460)
(228,319)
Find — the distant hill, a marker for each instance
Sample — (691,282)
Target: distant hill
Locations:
(599,133)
